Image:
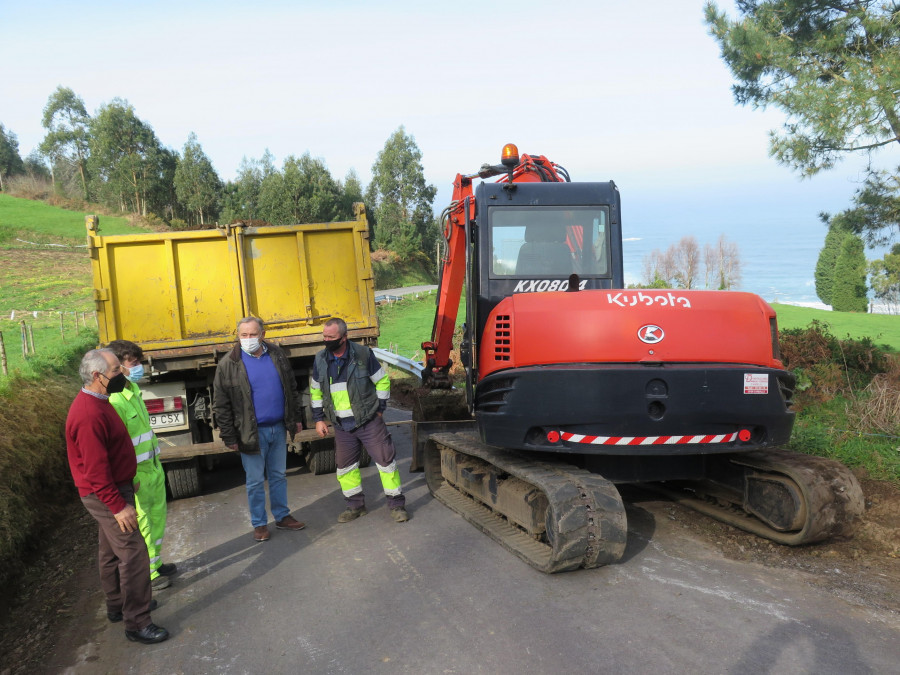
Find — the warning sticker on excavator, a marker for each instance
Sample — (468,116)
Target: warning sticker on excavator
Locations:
(756,383)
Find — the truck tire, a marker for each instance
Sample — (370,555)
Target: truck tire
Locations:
(322,460)
(183,478)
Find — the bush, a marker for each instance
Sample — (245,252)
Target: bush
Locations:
(826,366)
(391,272)
(36,489)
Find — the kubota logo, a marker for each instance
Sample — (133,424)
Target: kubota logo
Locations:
(651,334)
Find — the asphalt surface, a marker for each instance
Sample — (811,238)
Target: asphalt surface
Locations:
(435,595)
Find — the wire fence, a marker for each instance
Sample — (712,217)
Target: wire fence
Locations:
(18,328)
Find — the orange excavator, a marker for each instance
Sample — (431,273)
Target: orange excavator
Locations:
(577,384)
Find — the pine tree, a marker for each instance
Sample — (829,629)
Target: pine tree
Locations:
(849,293)
(828,257)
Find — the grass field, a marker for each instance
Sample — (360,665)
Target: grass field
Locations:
(45,225)
(406,324)
(883,329)
(46,281)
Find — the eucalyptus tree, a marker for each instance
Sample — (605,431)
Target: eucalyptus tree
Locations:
(304,191)
(400,198)
(127,158)
(68,129)
(11,163)
(197,185)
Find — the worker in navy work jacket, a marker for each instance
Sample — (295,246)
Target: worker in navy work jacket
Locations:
(350,389)
(256,402)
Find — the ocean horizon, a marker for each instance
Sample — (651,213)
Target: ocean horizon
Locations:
(778,262)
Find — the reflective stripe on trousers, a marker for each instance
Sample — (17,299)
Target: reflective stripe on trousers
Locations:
(350,480)
(150,504)
(390,478)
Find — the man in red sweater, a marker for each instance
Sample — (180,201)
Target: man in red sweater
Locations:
(103,465)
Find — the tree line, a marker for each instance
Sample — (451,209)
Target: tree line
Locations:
(115,159)
(684,265)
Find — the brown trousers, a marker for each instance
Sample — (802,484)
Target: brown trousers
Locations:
(124,563)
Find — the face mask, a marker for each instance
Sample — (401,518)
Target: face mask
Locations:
(333,345)
(116,384)
(250,345)
(135,373)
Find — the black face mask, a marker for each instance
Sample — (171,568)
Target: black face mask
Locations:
(116,384)
(333,345)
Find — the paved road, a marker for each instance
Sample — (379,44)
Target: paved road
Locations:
(434,595)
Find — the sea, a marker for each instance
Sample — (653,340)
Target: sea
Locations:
(778,258)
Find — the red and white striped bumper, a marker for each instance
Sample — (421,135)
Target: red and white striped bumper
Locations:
(647,440)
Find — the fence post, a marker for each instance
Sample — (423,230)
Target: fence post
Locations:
(31,337)
(24,335)
(3,355)
(62,332)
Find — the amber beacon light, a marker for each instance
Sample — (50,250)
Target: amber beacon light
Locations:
(510,155)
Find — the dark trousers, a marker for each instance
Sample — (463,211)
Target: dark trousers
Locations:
(375,437)
(124,563)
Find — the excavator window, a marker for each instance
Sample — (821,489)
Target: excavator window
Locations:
(549,242)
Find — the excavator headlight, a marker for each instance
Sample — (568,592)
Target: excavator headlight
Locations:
(510,155)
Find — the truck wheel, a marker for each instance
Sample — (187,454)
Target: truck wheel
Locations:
(183,478)
(321,460)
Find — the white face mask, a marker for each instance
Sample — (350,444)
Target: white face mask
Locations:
(250,345)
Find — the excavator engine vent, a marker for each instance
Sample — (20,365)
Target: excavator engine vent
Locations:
(502,337)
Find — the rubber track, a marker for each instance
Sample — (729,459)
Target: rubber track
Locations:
(586,523)
(833,496)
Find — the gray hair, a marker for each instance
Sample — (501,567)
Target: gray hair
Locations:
(340,323)
(248,319)
(93,362)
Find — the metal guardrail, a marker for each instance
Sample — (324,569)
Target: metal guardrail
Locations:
(401,362)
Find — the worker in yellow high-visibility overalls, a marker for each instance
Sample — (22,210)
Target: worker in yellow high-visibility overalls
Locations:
(150,480)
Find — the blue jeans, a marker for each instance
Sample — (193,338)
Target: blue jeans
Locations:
(271,462)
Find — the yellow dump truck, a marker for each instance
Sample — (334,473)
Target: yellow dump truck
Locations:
(179,295)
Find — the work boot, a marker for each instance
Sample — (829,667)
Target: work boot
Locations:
(148,635)
(167,569)
(399,514)
(160,583)
(261,533)
(352,514)
(289,523)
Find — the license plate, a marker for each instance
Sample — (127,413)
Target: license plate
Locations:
(169,419)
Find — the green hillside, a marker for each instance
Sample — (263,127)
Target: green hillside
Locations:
(45,225)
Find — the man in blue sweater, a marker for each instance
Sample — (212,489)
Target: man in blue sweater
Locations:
(256,402)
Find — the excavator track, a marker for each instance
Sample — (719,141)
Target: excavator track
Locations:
(787,497)
(559,518)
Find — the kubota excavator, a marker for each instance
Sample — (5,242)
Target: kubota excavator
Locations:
(577,384)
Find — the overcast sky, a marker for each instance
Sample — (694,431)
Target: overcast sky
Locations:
(634,92)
